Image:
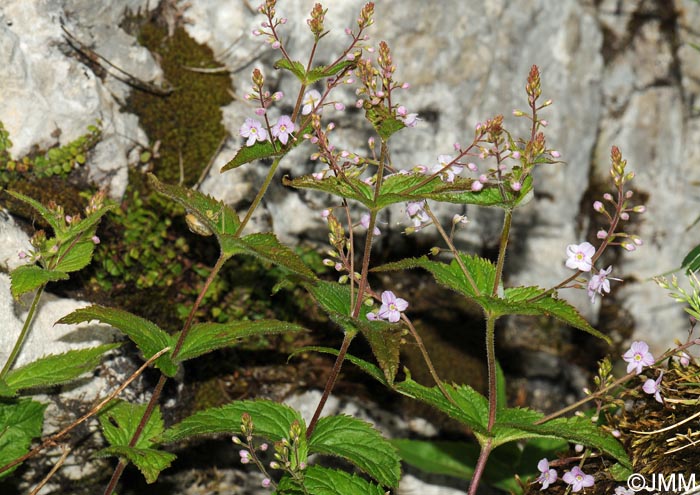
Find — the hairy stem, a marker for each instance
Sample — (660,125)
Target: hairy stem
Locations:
(500,262)
(491,365)
(23,334)
(330,383)
(480,466)
(261,193)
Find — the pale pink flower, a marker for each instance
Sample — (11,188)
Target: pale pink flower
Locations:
(391,307)
(578,479)
(580,256)
(547,475)
(653,387)
(310,101)
(253,130)
(600,283)
(283,128)
(638,356)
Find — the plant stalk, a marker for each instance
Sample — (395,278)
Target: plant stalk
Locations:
(23,334)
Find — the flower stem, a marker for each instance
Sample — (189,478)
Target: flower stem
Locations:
(491,365)
(480,466)
(500,262)
(23,334)
(259,196)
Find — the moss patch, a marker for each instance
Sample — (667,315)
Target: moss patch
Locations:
(188,121)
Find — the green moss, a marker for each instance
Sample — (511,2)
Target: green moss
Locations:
(188,121)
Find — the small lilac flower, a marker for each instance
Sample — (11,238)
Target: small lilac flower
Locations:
(516,186)
(515,155)
(600,283)
(580,256)
(364,221)
(653,387)
(245,459)
(371,316)
(253,130)
(578,479)
(95,239)
(310,101)
(283,128)
(477,186)
(556,154)
(638,356)
(683,358)
(621,490)
(391,307)
(598,206)
(266,483)
(408,119)
(415,211)
(602,234)
(22,255)
(547,475)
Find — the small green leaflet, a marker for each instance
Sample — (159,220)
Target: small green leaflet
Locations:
(315,74)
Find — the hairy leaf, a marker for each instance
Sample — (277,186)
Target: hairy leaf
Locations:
(219,218)
(26,278)
(359,443)
(270,419)
(73,257)
(206,337)
(295,67)
(57,368)
(46,214)
(145,334)
(470,407)
(20,422)
(149,461)
(266,247)
(324,481)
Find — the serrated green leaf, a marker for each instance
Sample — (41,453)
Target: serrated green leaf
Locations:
(369,368)
(482,271)
(383,121)
(45,213)
(147,336)
(318,73)
(206,337)
(26,278)
(270,419)
(295,67)
(149,461)
(324,481)
(6,390)
(87,226)
(266,247)
(247,154)
(346,187)
(120,419)
(219,218)
(470,408)
(691,262)
(575,429)
(20,422)
(519,300)
(384,338)
(56,368)
(359,443)
(73,257)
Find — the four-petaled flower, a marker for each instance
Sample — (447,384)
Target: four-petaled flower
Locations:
(600,283)
(253,130)
(653,387)
(580,256)
(283,128)
(547,475)
(364,221)
(638,356)
(391,307)
(310,101)
(415,211)
(578,479)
